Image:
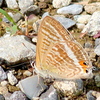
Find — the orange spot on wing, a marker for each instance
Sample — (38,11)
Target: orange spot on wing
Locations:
(84,66)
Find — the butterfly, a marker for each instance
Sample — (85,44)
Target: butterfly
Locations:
(58,54)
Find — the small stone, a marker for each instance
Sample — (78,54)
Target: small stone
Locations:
(97,79)
(4,83)
(2,97)
(18,95)
(32,19)
(17,17)
(31,9)
(97,50)
(27,73)
(2,74)
(45,14)
(36,25)
(69,88)
(71,9)
(96,94)
(32,86)
(50,94)
(42,5)
(60,3)
(3,90)
(11,78)
(92,7)
(80,26)
(23,4)
(7,96)
(90,96)
(34,39)
(66,22)
(83,19)
(1,1)
(97,42)
(12,4)
(93,26)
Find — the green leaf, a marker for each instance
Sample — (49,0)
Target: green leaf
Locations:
(13,29)
(7,16)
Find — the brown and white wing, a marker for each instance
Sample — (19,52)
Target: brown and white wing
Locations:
(50,32)
(57,55)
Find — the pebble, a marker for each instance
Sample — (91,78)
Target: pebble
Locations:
(1,1)
(2,97)
(23,4)
(20,47)
(4,83)
(27,73)
(93,26)
(83,19)
(50,94)
(12,4)
(97,42)
(92,7)
(90,96)
(96,94)
(97,50)
(42,5)
(66,22)
(3,90)
(34,9)
(17,17)
(71,9)
(69,88)
(80,26)
(60,3)
(18,95)
(36,25)
(3,74)
(34,39)
(97,79)
(7,96)
(45,14)
(32,86)
(11,78)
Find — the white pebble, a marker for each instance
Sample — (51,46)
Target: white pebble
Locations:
(27,73)
(60,3)
(4,83)
(2,74)
(11,78)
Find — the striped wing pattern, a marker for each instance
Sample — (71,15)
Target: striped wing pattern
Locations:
(58,55)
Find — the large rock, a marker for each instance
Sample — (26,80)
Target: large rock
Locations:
(16,48)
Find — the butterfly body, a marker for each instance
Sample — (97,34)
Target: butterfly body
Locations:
(58,55)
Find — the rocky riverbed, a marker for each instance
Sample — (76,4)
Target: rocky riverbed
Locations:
(18,80)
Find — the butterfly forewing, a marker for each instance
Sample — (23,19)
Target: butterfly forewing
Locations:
(57,55)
